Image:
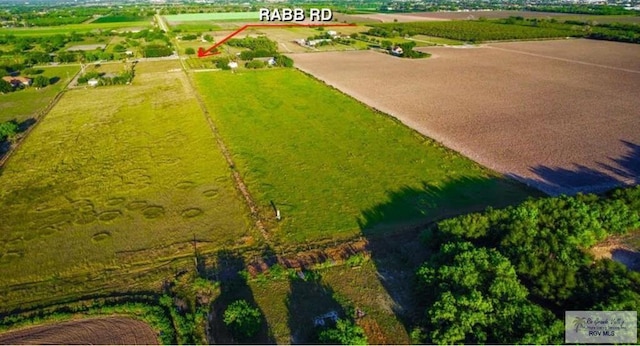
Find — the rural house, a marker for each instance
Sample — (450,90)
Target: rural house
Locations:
(17,81)
(92,82)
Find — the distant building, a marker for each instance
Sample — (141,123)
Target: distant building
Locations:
(313,43)
(92,82)
(128,52)
(332,33)
(233,65)
(268,60)
(397,51)
(17,81)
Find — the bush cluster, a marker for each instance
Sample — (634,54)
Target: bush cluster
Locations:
(484,262)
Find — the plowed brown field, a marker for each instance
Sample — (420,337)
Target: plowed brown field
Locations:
(525,14)
(563,116)
(94,331)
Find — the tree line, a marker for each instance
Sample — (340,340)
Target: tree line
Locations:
(508,275)
(32,50)
(513,28)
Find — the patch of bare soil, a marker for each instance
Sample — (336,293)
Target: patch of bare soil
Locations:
(393,17)
(562,116)
(615,250)
(100,331)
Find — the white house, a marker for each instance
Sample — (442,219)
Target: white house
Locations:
(92,82)
(332,33)
(233,65)
(397,51)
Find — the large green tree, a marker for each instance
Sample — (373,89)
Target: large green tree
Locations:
(40,81)
(8,129)
(243,320)
(474,296)
(344,333)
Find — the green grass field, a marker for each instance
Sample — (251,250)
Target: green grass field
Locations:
(24,104)
(332,165)
(120,19)
(201,26)
(115,178)
(65,29)
(194,17)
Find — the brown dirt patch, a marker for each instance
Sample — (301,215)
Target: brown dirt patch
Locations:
(105,331)
(561,116)
(392,17)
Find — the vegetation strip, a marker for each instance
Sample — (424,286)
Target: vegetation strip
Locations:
(242,187)
(274,145)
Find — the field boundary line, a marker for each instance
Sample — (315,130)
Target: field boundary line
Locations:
(38,119)
(239,182)
(563,59)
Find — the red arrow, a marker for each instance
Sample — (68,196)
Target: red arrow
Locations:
(212,50)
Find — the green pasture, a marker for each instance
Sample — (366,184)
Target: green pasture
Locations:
(121,19)
(26,103)
(332,165)
(115,178)
(199,26)
(194,17)
(66,29)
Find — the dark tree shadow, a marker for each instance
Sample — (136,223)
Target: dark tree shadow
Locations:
(54,80)
(393,229)
(311,306)
(621,171)
(631,259)
(410,206)
(37,71)
(26,124)
(233,286)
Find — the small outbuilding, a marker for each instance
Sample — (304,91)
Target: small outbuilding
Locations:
(271,61)
(397,51)
(92,82)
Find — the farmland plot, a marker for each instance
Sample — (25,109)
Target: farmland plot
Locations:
(562,116)
(333,166)
(115,176)
(24,104)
